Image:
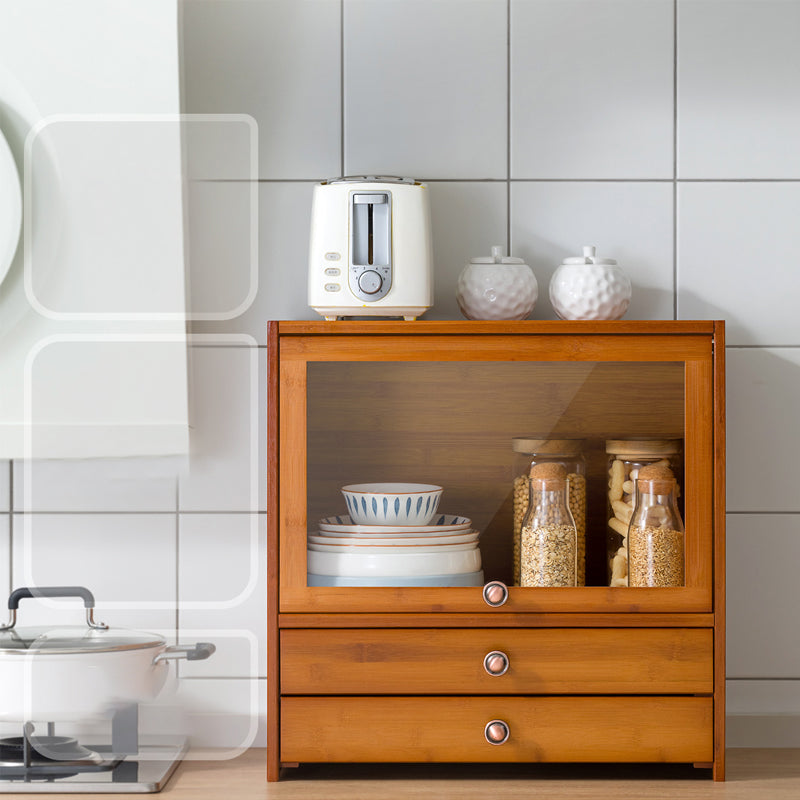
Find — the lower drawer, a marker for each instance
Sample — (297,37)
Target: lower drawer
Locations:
(540,729)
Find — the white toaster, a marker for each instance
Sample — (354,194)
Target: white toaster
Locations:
(370,252)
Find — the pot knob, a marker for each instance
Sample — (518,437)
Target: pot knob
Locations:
(496,663)
(495,593)
(496,732)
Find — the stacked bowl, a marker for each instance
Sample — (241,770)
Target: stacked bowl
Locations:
(394,536)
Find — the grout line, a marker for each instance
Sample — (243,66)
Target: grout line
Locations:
(770,513)
(762,346)
(748,678)
(516,180)
(341,88)
(675,159)
(508,128)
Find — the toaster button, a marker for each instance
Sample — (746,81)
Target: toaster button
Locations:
(332,287)
(333,271)
(332,256)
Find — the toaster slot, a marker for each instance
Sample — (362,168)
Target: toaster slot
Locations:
(370,244)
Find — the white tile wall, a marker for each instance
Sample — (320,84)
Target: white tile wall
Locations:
(222,589)
(222,251)
(763,394)
(284,221)
(591,89)
(762,609)
(225,468)
(737,258)
(425,88)
(737,89)
(629,221)
(277,60)
(429,89)
(5,557)
(128,561)
(97,484)
(223,717)
(5,485)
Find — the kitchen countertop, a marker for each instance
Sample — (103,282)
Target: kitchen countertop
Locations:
(752,775)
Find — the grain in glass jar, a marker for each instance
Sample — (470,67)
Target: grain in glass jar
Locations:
(625,458)
(548,548)
(567,452)
(656,538)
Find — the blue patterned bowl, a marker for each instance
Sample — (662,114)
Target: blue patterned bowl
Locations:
(392,503)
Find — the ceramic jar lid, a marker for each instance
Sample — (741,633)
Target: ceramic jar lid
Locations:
(496,257)
(589,257)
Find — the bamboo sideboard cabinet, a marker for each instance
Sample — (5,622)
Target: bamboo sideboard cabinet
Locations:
(398,673)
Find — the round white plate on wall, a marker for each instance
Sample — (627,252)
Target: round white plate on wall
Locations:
(10,207)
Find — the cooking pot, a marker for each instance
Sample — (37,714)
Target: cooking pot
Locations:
(72,673)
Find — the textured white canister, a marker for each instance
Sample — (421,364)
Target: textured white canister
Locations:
(496,287)
(587,287)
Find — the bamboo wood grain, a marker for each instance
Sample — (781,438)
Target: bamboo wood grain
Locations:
(272,600)
(719,550)
(542,729)
(494,620)
(546,661)
(521,328)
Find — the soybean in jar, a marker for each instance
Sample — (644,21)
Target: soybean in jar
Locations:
(625,458)
(569,453)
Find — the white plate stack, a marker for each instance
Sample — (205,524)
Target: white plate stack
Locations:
(442,553)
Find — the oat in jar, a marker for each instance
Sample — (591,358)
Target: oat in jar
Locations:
(568,453)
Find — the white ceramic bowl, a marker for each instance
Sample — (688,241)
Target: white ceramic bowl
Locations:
(391,541)
(392,503)
(380,564)
(462,579)
(440,524)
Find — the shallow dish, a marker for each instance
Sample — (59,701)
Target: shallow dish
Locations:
(392,541)
(462,579)
(392,503)
(344,562)
(390,550)
(441,523)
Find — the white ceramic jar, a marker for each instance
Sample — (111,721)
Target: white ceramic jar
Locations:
(497,287)
(587,287)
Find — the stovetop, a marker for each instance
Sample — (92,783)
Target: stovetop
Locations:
(147,771)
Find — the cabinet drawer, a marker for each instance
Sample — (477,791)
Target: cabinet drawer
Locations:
(540,661)
(407,729)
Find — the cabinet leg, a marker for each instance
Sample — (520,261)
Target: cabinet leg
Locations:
(292,764)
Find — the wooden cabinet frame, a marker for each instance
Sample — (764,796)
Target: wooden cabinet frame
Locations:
(293,605)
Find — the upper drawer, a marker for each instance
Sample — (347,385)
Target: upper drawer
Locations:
(540,661)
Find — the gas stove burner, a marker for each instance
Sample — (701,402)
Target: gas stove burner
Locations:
(46,749)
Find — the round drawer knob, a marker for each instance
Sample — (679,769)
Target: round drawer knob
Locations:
(496,732)
(495,593)
(496,663)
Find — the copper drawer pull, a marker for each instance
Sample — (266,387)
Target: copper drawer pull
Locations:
(496,732)
(495,593)
(496,663)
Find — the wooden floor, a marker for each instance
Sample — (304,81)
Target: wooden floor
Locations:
(752,775)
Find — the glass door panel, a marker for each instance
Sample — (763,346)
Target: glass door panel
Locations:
(451,423)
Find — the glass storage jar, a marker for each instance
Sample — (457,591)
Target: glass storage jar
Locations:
(625,458)
(656,539)
(549,547)
(568,453)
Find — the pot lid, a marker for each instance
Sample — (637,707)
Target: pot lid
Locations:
(589,257)
(61,640)
(496,257)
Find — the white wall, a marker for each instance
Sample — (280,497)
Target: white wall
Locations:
(664,132)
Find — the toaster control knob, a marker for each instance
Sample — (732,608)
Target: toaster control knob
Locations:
(370,281)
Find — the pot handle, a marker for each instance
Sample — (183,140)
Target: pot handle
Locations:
(191,652)
(25,592)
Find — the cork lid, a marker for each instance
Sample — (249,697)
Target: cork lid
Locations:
(655,479)
(548,475)
(643,447)
(547,447)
